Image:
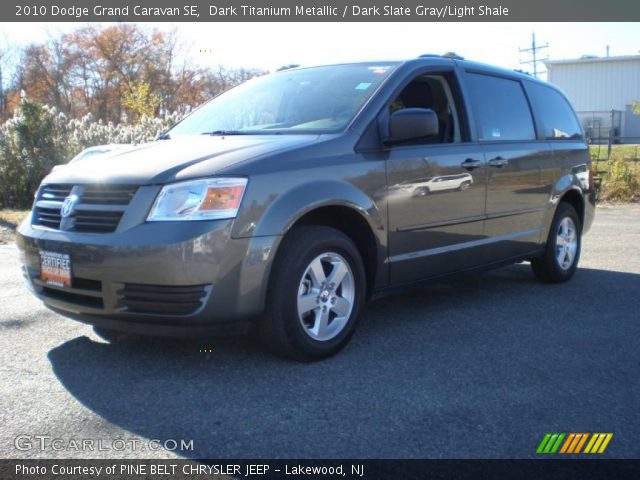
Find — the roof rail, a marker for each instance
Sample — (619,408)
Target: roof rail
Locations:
(451,55)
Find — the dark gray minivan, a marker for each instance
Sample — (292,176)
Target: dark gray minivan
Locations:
(289,201)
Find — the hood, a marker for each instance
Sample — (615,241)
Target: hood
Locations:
(165,161)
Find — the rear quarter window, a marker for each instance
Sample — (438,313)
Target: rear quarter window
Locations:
(557,118)
(501,108)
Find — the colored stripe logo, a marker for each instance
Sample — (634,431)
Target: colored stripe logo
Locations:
(574,443)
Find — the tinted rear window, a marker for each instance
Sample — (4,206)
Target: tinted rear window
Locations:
(559,122)
(501,108)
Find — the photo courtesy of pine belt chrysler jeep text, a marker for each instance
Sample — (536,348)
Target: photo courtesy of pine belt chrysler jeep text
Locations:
(287,202)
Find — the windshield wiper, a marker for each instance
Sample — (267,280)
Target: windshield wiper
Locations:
(164,136)
(226,132)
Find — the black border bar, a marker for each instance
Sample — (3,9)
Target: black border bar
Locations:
(180,469)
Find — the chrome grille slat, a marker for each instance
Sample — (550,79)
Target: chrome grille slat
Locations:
(87,207)
(48,217)
(109,195)
(53,216)
(55,192)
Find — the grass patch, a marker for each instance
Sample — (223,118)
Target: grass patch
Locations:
(628,152)
(11,218)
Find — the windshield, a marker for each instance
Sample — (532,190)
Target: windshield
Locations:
(310,100)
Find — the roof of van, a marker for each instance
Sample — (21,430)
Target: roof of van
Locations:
(473,66)
(444,60)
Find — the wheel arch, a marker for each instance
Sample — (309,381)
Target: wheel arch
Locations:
(337,204)
(575,198)
(354,225)
(566,189)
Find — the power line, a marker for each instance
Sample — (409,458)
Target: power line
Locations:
(533,51)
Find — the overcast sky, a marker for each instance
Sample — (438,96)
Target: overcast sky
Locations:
(270,45)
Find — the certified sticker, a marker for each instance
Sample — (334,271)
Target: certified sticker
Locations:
(55,268)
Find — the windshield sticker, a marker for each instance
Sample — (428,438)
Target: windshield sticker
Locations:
(495,132)
(380,70)
(363,86)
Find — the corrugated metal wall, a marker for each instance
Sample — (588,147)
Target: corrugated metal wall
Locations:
(599,85)
(603,85)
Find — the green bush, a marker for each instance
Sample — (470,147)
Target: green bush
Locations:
(28,150)
(38,137)
(621,182)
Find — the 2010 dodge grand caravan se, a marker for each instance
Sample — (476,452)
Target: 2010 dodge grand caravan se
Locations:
(290,200)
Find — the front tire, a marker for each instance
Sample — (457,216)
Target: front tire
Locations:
(562,252)
(464,186)
(316,291)
(421,192)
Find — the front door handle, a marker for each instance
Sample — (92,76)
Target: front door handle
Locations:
(498,162)
(471,163)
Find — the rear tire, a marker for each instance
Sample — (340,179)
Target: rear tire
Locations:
(316,291)
(562,251)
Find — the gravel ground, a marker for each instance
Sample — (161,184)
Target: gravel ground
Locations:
(6,235)
(477,369)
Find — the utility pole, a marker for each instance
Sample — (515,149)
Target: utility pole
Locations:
(533,51)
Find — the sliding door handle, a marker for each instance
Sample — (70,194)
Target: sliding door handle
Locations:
(498,162)
(471,163)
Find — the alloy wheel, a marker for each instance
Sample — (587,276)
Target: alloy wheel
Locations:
(566,243)
(326,296)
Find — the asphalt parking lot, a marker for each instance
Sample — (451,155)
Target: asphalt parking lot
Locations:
(477,369)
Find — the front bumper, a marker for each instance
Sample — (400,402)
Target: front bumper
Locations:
(164,278)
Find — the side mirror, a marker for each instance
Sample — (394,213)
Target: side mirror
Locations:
(411,124)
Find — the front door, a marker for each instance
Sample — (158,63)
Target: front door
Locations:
(436,207)
(436,188)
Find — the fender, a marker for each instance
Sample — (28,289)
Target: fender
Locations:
(279,216)
(292,205)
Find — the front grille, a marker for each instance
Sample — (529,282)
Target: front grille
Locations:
(162,300)
(55,192)
(98,209)
(83,292)
(49,217)
(99,222)
(74,298)
(107,194)
(87,284)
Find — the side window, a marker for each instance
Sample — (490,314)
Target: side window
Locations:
(559,122)
(432,92)
(501,108)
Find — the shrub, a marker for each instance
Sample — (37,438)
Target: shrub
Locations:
(29,147)
(39,137)
(621,182)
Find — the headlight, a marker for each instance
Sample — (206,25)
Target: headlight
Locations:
(204,199)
